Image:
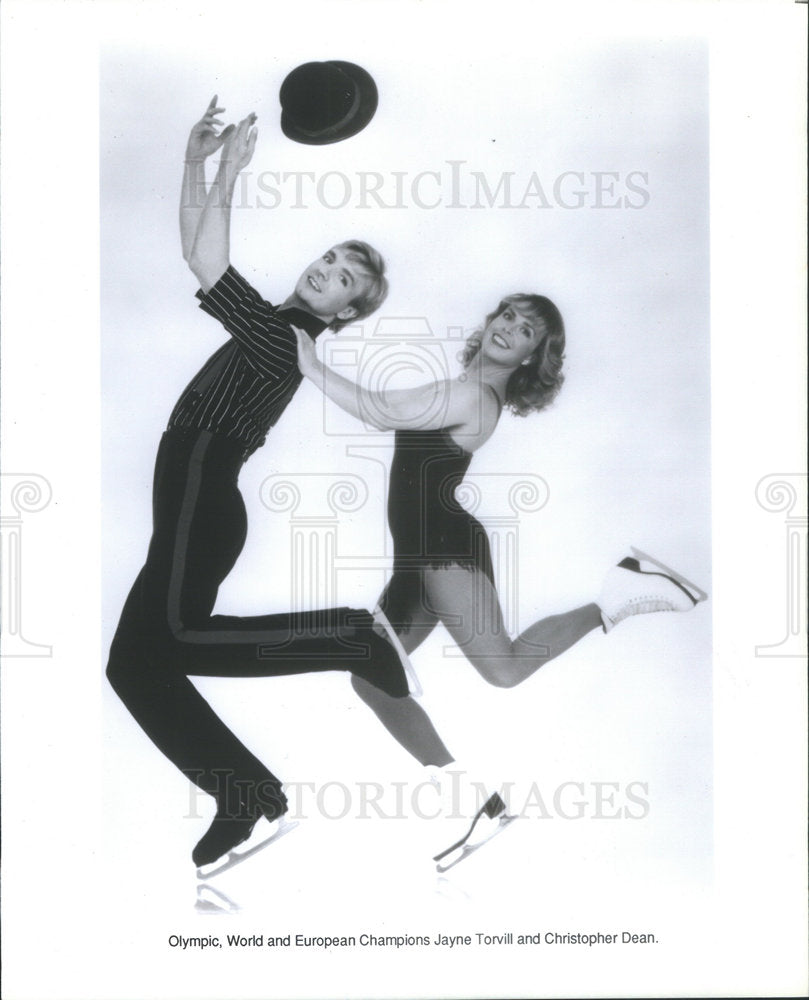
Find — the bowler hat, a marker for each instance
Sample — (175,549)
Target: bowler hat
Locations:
(323,102)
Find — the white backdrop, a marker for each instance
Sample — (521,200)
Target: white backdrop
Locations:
(626,453)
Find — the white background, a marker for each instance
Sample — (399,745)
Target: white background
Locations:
(96,872)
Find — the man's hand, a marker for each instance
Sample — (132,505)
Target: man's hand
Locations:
(307,358)
(209,255)
(204,139)
(240,142)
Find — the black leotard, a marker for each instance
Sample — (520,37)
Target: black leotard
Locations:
(429,527)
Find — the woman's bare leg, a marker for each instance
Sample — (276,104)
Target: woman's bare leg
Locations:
(404,718)
(467,603)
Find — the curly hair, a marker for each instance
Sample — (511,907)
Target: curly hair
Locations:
(534,385)
(372,265)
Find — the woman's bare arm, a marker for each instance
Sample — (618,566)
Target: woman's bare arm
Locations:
(446,404)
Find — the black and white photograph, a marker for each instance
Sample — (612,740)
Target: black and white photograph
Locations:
(404,520)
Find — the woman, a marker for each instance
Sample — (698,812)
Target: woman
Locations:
(442,565)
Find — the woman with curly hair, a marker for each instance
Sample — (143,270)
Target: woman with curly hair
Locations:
(442,565)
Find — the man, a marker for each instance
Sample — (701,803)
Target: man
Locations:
(167,630)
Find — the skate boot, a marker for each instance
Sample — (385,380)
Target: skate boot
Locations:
(470,808)
(639,585)
(240,827)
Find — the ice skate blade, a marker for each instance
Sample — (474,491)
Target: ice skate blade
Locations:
(467,850)
(414,687)
(236,857)
(697,593)
(491,809)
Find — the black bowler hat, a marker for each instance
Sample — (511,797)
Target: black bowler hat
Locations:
(323,102)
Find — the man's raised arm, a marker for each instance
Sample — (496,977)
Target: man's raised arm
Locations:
(203,140)
(210,254)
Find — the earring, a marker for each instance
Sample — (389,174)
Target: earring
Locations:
(526,362)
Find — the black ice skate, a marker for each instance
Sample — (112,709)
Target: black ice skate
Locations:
(490,820)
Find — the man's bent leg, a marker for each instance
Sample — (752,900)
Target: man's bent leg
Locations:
(200,535)
(184,727)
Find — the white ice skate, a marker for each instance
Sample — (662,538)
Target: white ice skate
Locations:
(641,584)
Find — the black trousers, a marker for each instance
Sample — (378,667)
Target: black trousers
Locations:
(167,630)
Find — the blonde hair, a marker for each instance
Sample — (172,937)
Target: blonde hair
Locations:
(532,386)
(372,265)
